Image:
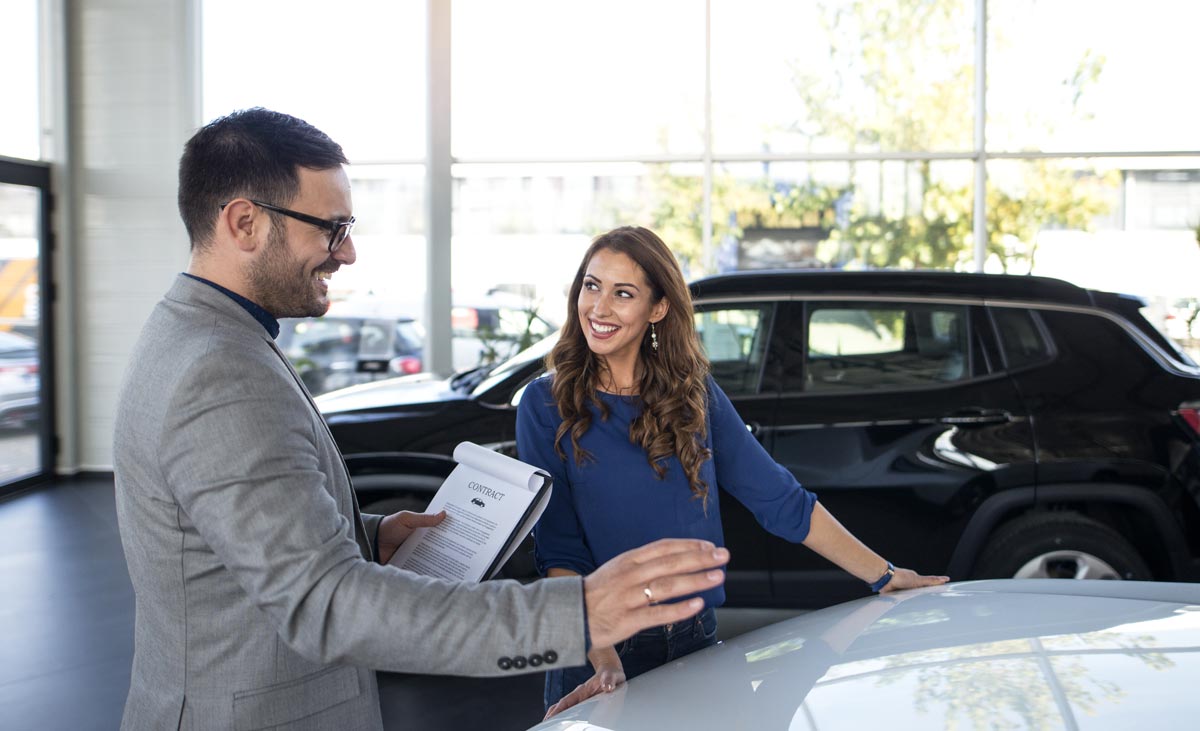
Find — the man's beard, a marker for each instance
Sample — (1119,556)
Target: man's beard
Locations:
(280,284)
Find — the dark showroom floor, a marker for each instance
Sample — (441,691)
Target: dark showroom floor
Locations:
(66,628)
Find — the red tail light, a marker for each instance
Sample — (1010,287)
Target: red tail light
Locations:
(408,365)
(1190,413)
(464,318)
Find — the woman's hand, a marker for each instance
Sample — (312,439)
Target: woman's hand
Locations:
(394,529)
(909,579)
(609,674)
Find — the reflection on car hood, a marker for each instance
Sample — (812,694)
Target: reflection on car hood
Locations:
(421,388)
(975,655)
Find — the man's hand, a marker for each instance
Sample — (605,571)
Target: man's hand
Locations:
(394,529)
(623,595)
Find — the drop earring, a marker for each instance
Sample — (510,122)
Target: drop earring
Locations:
(653,338)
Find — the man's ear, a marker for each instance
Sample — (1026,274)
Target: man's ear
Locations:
(660,310)
(243,223)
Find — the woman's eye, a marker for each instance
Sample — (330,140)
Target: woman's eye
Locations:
(623,293)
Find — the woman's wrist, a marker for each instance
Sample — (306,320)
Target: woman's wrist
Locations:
(604,657)
(882,581)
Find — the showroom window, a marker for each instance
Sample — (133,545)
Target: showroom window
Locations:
(19,124)
(26,346)
(1021,137)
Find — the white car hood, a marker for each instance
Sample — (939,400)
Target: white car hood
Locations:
(421,388)
(977,655)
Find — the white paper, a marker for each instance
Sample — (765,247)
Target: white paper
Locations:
(485,498)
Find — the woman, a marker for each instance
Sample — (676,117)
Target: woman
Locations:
(638,436)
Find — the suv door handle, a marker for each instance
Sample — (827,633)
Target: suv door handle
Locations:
(977,416)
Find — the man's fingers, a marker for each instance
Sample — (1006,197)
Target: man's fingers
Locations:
(677,563)
(421,520)
(660,614)
(664,547)
(670,587)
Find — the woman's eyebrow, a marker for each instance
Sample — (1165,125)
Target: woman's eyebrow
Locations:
(618,284)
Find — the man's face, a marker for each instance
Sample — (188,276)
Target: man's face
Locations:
(290,276)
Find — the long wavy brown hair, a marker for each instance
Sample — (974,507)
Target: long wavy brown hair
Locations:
(671,381)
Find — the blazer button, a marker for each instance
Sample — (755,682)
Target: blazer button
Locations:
(505,663)
(550,656)
(535,660)
(518,662)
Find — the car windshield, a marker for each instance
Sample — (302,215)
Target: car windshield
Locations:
(481,379)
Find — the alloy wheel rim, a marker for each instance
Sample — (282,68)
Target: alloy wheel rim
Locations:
(1067,565)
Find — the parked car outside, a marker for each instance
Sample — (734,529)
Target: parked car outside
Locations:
(979,426)
(19,381)
(354,343)
(495,326)
(1001,654)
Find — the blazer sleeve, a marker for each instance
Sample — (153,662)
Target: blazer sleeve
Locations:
(746,471)
(558,540)
(240,453)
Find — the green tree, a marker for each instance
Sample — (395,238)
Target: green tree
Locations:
(899,77)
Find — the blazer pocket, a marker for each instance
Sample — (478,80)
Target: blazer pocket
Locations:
(294,700)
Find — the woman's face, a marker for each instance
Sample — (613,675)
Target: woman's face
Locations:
(616,305)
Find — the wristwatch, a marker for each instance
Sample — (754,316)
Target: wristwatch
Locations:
(882,581)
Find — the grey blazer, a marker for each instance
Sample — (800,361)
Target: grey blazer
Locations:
(258,602)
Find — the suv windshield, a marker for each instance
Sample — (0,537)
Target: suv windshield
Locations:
(490,377)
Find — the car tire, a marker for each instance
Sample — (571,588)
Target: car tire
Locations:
(1059,545)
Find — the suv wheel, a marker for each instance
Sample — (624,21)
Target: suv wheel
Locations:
(1059,546)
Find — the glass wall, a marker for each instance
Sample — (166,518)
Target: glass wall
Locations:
(753,134)
(26,397)
(25,393)
(19,123)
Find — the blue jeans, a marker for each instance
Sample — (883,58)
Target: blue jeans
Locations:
(644,651)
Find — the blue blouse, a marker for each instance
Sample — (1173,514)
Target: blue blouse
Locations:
(615,501)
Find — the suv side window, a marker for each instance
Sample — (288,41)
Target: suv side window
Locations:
(735,341)
(1020,337)
(873,346)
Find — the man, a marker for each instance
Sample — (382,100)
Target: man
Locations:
(262,600)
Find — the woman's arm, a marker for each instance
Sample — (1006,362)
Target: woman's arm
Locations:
(607,664)
(830,539)
(784,507)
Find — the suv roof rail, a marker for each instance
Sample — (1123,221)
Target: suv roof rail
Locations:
(893,281)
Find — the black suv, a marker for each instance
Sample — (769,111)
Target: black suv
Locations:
(975,425)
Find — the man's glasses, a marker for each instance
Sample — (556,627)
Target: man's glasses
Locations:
(339,231)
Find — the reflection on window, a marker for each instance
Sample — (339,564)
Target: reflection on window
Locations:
(1019,336)
(735,342)
(852,348)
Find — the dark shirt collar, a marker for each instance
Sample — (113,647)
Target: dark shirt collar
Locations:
(266,319)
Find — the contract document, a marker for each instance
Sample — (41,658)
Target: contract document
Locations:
(491,503)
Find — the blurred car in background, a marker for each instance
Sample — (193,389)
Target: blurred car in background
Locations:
(1001,654)
(495,326)
(19,381)
(352,344)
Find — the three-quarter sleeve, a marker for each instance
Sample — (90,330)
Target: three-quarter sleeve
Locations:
(747,472)
(558,537)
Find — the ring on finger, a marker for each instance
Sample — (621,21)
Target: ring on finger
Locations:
(649,594)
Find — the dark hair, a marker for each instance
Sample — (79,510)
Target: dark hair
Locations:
(252,153)
(673,379)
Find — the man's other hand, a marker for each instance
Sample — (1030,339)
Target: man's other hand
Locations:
(394,529)
(624,596)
